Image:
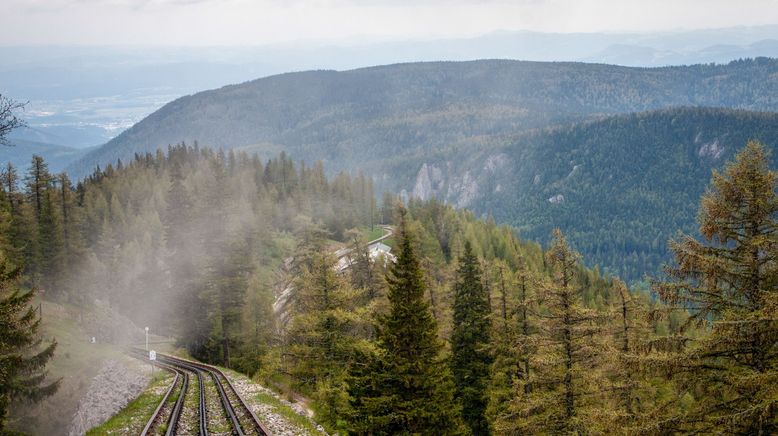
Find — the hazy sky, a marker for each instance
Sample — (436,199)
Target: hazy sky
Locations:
(258,22)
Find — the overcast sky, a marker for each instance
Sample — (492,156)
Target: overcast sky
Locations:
(259,22)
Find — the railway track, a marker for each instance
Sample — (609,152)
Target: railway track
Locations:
(241,418)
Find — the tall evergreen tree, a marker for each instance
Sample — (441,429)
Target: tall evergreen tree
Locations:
(408,389)
(470,341)
(51,244)
(729,285)
(22,362)
(38,181)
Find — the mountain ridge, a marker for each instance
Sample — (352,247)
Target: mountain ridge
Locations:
(348,117)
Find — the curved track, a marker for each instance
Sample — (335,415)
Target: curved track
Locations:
(238,414)
(157,416)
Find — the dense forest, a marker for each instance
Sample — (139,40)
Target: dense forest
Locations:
(468,330)
(620,187)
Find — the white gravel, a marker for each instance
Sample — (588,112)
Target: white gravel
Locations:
(117,383)
(275,423)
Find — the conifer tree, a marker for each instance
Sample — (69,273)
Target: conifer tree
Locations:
(729,284)
(632,394)
(470,341)
(38,181)
(37,184)
(408,388)
(323,336)
(50,243)
(365,274)
(563,381)
(22,362)
(227,283)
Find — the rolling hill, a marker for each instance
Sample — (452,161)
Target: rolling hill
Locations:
(367,117)
(590,148)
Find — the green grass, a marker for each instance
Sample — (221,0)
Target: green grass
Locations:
(287,412)
(371,235)
(133,417)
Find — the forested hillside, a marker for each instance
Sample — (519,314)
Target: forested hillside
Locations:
(619,187)
(466,329)
(369,117)
(475,134)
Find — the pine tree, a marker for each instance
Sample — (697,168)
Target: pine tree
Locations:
(729,285)
(22,362)
(470,341)
(408,388)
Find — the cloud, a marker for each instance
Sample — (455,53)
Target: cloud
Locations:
(257,22)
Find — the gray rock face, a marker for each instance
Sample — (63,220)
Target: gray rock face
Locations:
(557,199)
(713,150)
(435,180)
(429,182)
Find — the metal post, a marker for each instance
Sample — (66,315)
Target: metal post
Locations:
(147,338)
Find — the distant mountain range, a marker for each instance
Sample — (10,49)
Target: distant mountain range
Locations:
(535,144)
(87,95)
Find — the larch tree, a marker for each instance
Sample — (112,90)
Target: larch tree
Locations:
(322,337)
(512,371)
(564,377)
(632,394)
(470,342)
(728,283)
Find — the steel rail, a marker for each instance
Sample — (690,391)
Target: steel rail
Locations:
(175,414)
(216,373)
(155,416)
(202,406)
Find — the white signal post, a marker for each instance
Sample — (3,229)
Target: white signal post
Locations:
(152,358)
(147,338)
